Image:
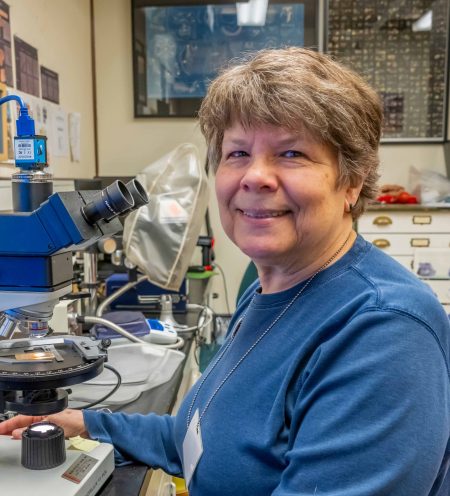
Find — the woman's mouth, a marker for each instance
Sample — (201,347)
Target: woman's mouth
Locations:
(262,214)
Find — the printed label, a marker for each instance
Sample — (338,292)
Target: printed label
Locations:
(24,149)
(80,468)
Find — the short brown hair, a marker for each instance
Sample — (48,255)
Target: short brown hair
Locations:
(294,88)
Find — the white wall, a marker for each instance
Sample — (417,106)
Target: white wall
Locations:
(60,30)
(395,161)
(127,144)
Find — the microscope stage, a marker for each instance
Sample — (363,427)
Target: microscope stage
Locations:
(82,474)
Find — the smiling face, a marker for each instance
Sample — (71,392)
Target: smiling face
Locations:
(278,200)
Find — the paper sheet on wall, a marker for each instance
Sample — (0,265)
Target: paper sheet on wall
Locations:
(74,135)
(43,117)
(60,133)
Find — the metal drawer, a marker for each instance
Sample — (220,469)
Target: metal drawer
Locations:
(414,221)
(406,244)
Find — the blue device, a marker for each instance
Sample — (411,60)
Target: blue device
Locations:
(38,236)
(137,298)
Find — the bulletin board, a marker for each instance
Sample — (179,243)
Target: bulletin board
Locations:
(401,49)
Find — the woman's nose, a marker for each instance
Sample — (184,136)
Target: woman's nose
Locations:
(259,174)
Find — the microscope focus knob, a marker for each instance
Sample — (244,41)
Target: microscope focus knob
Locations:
(43,446)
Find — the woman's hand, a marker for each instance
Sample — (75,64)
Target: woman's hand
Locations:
(70,420)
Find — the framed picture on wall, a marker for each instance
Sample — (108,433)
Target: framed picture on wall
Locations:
(179,46)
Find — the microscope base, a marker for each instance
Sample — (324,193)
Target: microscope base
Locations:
(92,468)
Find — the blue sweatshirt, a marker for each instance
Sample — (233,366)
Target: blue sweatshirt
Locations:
(347,395)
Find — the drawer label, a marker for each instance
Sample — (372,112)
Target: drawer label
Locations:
(420,242)
(421,219)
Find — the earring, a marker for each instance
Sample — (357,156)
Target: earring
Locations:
(348,207)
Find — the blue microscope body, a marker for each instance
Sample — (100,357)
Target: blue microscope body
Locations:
(38,236)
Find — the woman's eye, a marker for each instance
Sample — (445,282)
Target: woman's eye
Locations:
(292,154)
(237,153)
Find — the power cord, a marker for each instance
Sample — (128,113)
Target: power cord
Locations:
(101,400)
(198,340)
(225,287)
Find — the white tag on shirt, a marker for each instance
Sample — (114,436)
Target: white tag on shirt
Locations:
(192,448)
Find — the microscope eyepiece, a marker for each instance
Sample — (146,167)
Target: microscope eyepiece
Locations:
(138,193)
(108,203)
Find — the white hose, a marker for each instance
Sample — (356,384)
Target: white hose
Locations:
(105,303)
(120,330)
(175,346)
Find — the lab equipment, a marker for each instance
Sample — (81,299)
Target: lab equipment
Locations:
(136,323)
(166,230)
(144,296)
(36,243)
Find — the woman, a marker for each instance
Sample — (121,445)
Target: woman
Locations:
(334,377)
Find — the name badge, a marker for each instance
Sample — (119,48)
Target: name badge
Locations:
(192,448)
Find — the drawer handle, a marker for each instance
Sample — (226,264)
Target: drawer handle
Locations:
(421,219)
(381,243)
(382,220)
(420,242)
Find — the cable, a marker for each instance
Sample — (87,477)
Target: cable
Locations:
(224,286)
(116,294)
(197,339)
(195,306)
(113,390)
(174,346)
(120,330)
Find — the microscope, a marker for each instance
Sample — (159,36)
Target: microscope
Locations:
(36,243)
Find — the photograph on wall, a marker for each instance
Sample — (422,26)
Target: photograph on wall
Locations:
(27,67)
(178,50)
(49,85)
(6,70)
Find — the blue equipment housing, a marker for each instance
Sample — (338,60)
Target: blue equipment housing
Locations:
(30,151)
(137,298)
(35,247)
(37,238)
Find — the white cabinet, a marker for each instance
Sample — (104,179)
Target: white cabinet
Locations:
(418,237)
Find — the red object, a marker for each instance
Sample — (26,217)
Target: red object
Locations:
(386,199)
(403,197)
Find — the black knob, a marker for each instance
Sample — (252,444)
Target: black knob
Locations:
(105,344)
(43,446)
